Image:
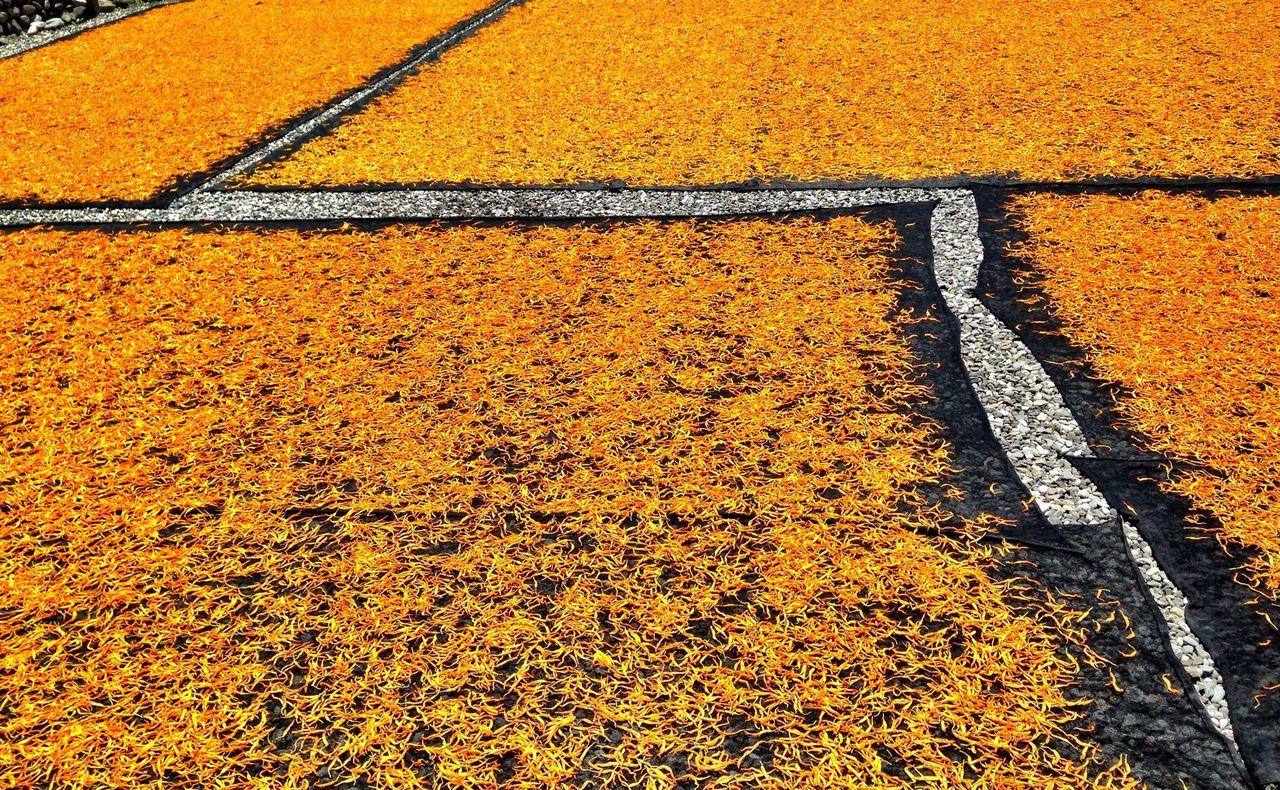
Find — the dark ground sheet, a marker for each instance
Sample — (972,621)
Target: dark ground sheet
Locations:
(1242,644)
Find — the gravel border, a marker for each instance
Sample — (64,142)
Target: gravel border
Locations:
(32,41)
(1026,412)
(1186,645)
(249,206)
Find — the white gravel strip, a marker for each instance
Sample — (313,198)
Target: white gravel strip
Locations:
(249,206)
(20,44)
(1026,412)
(1190,650)
(1032,421)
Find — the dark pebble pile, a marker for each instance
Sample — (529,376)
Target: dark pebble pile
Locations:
(20,17)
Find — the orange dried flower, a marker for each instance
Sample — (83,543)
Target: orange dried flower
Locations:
(470,502)
(705,92)
(128,110)
(1173,297)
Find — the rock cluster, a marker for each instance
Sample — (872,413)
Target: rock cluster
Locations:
(20,17)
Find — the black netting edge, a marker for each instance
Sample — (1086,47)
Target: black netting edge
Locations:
(1242,644)
(1219,611)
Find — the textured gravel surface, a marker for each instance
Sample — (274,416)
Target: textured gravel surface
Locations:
(247,206)
(1026,412)
(1190,650)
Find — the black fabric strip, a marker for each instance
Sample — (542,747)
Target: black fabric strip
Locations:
(1244,647)
(1220,610)
(988,478)
(1004,290)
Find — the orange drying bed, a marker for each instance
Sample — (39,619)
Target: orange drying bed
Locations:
(518,503)
(126,111)
(1174,297)
(702,92)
